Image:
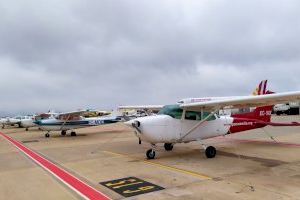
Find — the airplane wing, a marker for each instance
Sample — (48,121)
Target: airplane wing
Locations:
(142,107)
(74,115)
(244,101)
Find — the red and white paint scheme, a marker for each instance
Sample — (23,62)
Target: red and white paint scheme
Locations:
(196,121)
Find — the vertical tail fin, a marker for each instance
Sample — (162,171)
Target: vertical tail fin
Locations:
(249,120)
(261,89)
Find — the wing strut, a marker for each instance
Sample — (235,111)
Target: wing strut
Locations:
(197,125)
(62,126)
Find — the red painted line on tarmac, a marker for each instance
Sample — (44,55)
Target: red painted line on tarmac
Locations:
(74,183)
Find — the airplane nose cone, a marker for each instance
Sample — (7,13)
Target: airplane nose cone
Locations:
(37,122)
(133,123)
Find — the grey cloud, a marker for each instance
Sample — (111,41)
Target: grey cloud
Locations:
(73,54)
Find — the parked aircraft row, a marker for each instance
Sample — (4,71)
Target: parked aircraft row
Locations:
(190,119)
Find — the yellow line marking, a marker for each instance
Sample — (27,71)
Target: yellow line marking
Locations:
(184,171)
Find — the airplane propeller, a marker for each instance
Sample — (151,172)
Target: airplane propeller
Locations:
(136,124)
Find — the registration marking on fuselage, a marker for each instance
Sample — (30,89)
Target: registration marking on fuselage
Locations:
(81,188)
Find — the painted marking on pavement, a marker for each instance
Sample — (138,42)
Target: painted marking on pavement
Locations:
(131,186)
(81,188)
(286,144)
(184,171)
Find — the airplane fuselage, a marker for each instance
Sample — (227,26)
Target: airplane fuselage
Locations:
(59,125)
(165,129)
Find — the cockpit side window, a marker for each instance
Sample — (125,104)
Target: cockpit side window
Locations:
(172,110)
(205,114)
(190,115)
(176,113)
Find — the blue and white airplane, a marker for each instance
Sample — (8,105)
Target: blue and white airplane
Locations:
(73,120)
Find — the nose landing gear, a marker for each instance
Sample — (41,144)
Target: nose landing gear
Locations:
(151,152)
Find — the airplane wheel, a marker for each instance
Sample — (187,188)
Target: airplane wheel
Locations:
(26,129)
(63,133)
(47,135)
(210,152)
(140,141)
(168,146)
(73,133)
(150,154)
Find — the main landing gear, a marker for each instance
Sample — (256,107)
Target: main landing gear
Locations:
(63,133)
(47,135)
(73,133)
(168,146)
(210,152)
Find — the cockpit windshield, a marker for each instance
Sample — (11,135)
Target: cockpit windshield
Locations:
(172,110)
(176,112)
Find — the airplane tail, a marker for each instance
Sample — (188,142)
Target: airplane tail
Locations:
(257,118)
(261,89)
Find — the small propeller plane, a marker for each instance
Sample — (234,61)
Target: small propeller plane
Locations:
(10,121)
(197,121)
(73,120)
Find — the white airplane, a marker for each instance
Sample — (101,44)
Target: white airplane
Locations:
(3,121)
(73,120)
(10,121)
(27,122)
(187,122)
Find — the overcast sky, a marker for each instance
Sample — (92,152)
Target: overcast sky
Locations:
(70,54)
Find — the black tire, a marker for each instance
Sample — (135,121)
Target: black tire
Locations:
(210,152)
(47,135)
(26,129)
(168,146)
(140,141)
(150,154)
(63,133)
(73,133)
